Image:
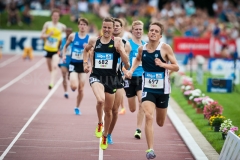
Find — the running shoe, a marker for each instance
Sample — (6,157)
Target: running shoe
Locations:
(50,86)
(137,134)
(104,143)
(123,111)
(66,95)
(150,154)
(109,139)
(77,111)
(98,131)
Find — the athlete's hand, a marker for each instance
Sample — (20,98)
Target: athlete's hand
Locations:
(64,58)
(51,33)
(129,74)
(86,67)
(158,62)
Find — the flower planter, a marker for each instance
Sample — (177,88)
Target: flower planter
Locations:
(216,128)
(224,135)
(194,105)
(199,110)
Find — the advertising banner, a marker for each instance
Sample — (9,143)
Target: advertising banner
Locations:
(198,46)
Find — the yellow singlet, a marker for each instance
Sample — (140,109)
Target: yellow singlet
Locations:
(51,43)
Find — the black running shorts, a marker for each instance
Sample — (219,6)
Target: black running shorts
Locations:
(49,54)
(109,82)
(160,100)
(132,86)
(76,67)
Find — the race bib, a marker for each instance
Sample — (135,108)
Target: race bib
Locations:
(93,79)
(153,80)
(126,83)
(103,60)
(133,59)
(52,42)
(77,54)
(71,67)
(144,94)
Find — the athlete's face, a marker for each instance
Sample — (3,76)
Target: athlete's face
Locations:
(117,28)
(82,26)
(154,33)
(137,31)
(68,32)
(55,17)
(107,29)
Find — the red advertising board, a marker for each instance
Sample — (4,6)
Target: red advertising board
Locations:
(199,46)
(202,46)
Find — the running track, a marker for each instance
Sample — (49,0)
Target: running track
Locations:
(40,124)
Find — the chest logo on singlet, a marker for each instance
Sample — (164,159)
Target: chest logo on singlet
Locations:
(103,60)
(156,55)
(153,80)
(110,46)
(99,45)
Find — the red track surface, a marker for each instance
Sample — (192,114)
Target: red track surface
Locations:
(57,134)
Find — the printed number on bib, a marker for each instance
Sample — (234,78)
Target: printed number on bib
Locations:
(103,60)
(153,80)
(133,59)
(71,67)
(78,55)
(52,42)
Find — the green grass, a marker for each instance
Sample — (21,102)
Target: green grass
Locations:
(229,101)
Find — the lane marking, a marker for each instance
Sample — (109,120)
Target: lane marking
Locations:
(10,60)
(31,118)
(39,63)
(186,136)
(100,152)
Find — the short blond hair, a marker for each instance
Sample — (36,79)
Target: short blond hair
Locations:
(137,22)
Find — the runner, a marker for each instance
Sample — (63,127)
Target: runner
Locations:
(133,86)
(157,60)
(64,66)
(77,75)
(107,50)
(52,35)
(118,29)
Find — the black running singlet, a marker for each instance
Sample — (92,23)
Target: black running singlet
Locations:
(105,59)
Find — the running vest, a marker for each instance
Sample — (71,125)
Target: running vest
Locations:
(155,78)
(51,43)
(69,48)
(132,56)
(120,63)
(78,47)
(105,59)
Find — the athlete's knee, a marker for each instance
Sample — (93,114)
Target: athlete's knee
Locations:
(73,87)
(80,90)
(115,112)
(160,123)
(100,101)
(148,117)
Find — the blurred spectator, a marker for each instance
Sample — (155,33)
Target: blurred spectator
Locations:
(94,5)
(83,6)
(189,8)
(104,10)
(74,13)
(13,14)
(2,6)
(35,5)
(26,16)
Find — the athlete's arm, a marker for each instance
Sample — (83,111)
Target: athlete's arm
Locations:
(88,49)
(69,40)
(121,50)
(127,50)
(136,62)
(168,52)
(43,34)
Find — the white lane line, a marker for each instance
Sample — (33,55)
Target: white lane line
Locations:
(31,118)
(39,63)
(186,136)
(100,149)
(10,60)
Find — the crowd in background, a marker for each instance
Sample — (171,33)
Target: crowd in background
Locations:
(180,17)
